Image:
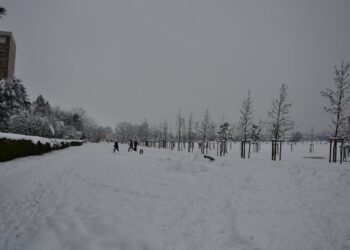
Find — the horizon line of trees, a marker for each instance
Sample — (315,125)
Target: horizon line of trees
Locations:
(278,124)
(194,131)
(206,129)
(19,115)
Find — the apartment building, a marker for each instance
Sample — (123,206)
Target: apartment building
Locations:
(7,54)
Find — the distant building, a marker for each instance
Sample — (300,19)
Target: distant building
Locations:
(7,54)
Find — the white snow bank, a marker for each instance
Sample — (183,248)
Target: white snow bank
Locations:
(35,139)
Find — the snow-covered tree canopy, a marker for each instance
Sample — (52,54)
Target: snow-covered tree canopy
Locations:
(125,131)
(339,99)
(246,119)
(13,100)
(256,132)
(41,106)
(143,131)
(18,115)
(204,126)
(180,123)
(224,131)
(280,121)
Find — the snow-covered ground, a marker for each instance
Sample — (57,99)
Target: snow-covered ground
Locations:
(89,198)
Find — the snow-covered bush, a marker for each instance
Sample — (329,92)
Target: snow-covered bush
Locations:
(15,145)
(30,124)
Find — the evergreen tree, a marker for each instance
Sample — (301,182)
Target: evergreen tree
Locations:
(13,100)
(41,107)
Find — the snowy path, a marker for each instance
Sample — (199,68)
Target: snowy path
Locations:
(87,198)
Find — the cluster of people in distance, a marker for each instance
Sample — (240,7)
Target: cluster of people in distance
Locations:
(132,146)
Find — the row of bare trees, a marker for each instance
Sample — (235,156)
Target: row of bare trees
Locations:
(276,126)
(207,130)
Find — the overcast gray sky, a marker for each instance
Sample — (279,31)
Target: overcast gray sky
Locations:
(130,60)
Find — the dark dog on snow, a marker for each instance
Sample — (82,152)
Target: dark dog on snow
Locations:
(209,158)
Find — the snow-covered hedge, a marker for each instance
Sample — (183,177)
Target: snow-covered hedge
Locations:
(15,145)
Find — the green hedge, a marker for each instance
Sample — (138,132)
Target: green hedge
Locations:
(11,149)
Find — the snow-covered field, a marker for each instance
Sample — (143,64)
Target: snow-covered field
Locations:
(86,197)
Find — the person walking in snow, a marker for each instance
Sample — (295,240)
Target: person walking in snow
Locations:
(135,145)
(116,147)
(131,145)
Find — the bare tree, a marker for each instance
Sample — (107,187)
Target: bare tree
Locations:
(180,120)
(184,130)
(164,128)
(280,122)
(339,99)
(171,134)
(143,131)
(347,130)
(125,131)
(154,132)
(246,123)
(312,133)
(212,131)
(160,132)
(223,135)
(190,127)
(189,131)
(203,126)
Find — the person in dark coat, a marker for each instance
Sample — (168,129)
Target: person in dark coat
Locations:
(135,145)
(116,146)
(131,145)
